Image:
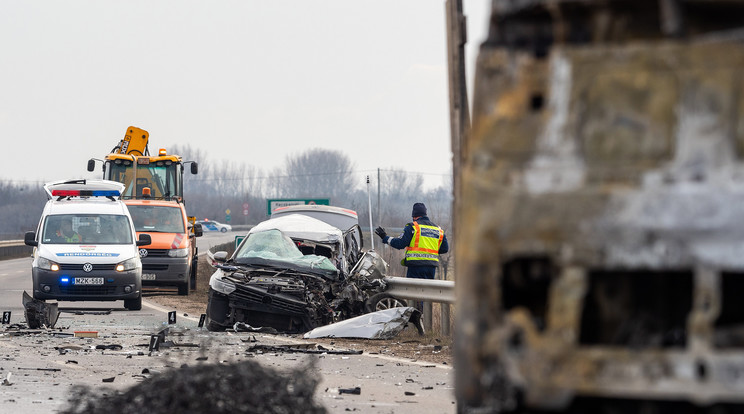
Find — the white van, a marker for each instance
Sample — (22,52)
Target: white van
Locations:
(85,247)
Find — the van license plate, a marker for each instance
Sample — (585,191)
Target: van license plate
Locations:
(148,276)
(88,281)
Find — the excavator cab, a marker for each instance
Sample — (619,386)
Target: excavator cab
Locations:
(130,163)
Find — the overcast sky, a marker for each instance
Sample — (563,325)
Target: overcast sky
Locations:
(250,81)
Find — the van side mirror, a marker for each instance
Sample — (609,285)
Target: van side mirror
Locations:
(198,231)
(30,239)
(144,240)
(194,167)
(220,257)
(91,165)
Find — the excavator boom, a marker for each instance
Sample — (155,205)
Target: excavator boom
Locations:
(133,143)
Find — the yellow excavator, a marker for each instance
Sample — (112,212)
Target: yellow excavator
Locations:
(157,176)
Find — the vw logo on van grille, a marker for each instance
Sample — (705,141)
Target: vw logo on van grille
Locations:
(87,267)
(143,252)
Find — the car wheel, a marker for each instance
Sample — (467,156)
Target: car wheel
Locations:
(382,301)
(133,304)
(223,230)
(183,289)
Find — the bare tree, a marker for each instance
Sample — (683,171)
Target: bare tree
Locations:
(20,206)
(316,173)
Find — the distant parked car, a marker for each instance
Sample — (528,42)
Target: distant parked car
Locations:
(211,225)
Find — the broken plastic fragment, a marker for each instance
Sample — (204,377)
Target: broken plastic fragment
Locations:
(382,324)
(355,390)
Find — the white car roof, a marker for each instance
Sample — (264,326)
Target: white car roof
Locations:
(301,226)
(342,218)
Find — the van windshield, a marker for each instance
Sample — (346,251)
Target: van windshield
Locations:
(87,229)
(157,219)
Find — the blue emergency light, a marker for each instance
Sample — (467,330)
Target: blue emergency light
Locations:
(86,193)
(64,280)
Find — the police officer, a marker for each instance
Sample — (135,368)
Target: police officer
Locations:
(65,232)
(423,240)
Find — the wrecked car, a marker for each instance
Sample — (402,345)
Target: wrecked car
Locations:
(293,273)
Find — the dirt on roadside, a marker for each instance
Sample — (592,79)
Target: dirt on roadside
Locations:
(407,345)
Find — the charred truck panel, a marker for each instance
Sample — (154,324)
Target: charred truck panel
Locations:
(602,195)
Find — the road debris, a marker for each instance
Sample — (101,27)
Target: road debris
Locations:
(6,381)
(84,312)
(111,379)
(354,391)
(244,327)
(39,313)
(113,347)
(41,369)
(302,349)
(227,388)
(384,324)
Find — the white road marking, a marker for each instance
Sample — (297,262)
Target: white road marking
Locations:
(166,310)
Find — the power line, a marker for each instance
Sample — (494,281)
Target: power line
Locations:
(271,177)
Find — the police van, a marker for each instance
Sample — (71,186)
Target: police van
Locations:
(85,247)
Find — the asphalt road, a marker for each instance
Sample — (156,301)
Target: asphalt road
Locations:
(43,367)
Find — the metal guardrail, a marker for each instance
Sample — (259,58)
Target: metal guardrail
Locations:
(11,249)
(11,243)
(440,291)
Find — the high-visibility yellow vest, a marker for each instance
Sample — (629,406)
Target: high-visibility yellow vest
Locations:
(74,238)
(424,246)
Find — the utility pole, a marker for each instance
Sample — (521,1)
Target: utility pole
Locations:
(371,229)
(459,109)
(378,197)
(458,94)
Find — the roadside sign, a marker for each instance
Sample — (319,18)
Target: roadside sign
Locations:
(274,203)
(227,218)
(227,211)
(238,239)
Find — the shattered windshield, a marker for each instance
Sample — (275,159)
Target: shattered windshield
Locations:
(275,246)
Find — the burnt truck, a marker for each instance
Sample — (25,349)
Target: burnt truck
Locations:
(601,192)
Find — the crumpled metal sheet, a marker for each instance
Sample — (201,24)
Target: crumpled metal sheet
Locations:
(384,324)
(39,313)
